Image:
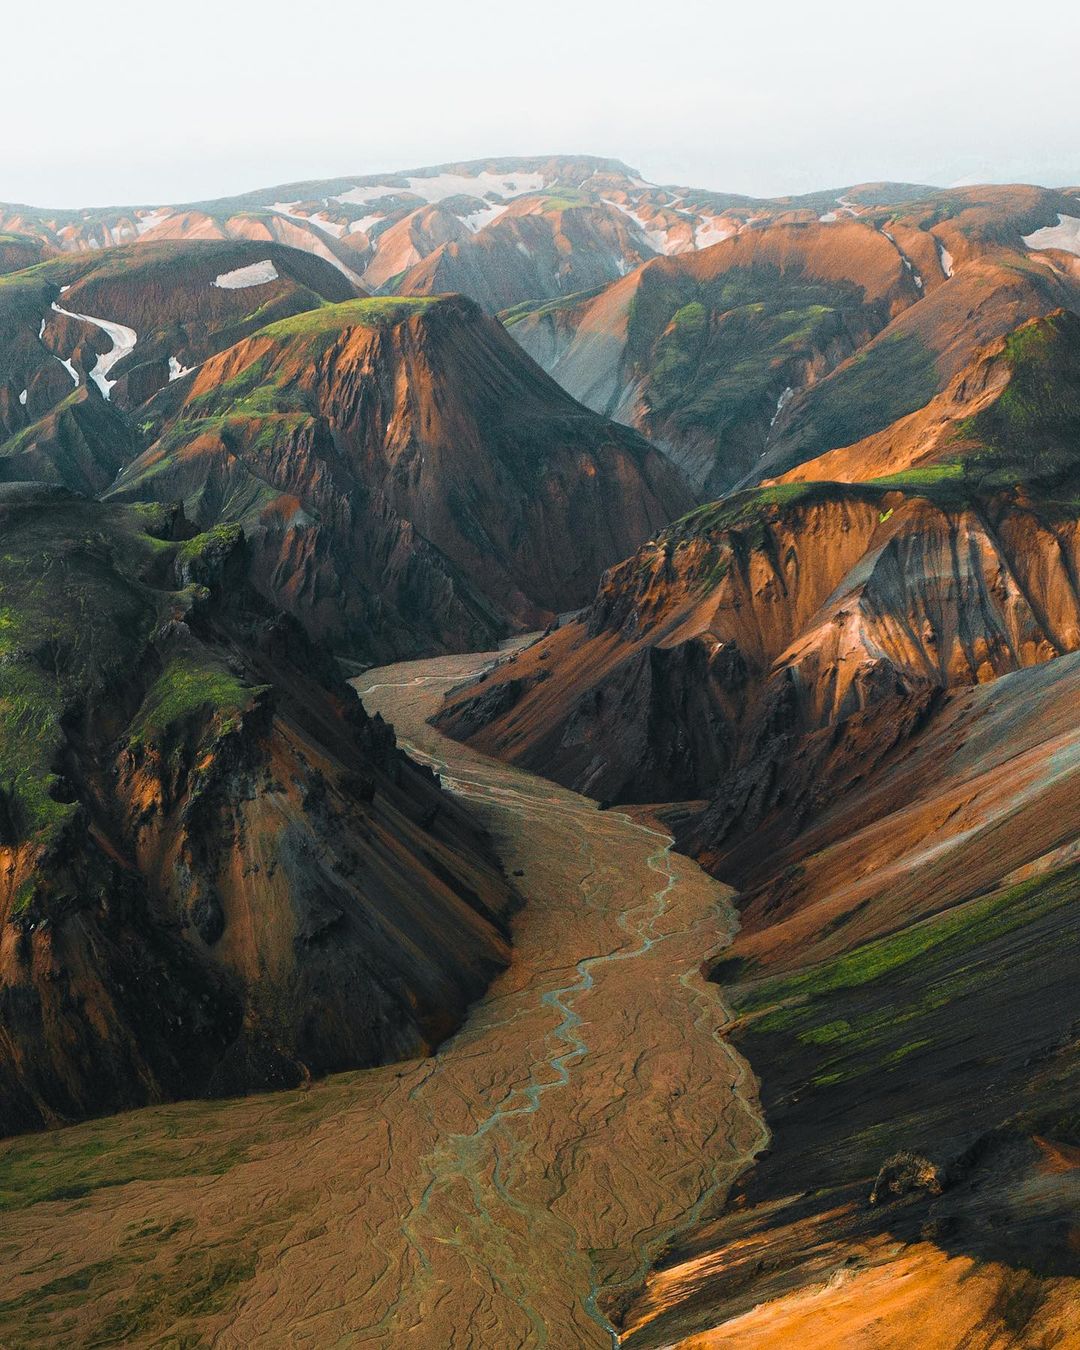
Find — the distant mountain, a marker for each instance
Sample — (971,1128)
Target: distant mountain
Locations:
(502,231)
(809,332)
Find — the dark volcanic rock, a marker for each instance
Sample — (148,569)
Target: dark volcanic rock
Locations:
(218,873)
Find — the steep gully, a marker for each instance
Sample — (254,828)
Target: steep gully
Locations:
(510,1190)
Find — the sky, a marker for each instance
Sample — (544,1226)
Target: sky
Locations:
(148,102)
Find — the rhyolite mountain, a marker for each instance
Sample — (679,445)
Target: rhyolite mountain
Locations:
(502,231)
(855,701)
(216,873)
(20,250)
(804,333)
(88,339)
(406,476)
(260,437)
(169,307)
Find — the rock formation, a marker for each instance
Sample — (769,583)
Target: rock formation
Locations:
(216,874)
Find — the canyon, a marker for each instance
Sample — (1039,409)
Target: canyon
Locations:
(518,1182)
(539,785)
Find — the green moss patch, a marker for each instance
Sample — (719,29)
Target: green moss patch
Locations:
(538,308)
(891,378)
(915,974)
(1030,433)
(374,312)
(219,538)
(71,1165)
(186,688)
(756,504)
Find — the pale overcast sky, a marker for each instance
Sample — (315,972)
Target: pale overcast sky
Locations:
(146,102)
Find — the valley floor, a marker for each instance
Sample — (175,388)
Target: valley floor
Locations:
(510,1191)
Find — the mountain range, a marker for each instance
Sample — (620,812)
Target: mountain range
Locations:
(768,512)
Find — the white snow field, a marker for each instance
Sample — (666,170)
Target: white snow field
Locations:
(69,368)
(438,187)
(709,233)
(240,278)
(152,218)
(476,220)
(365,223)
(657,240)
(330,227)
(781,403)
(1065,235)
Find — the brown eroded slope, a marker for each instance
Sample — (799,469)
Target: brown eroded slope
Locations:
(865,687)
(904,986)
(1009,416)
(533,250)
(698,350)
(865,697)
(408,476)
(20,250)
(750,356)
(755,623)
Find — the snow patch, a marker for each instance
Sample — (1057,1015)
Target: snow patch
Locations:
(69,368)
(177,371)
(123,340)
(152,219)
(365,223)
(708,233)
(331,227)
(477,220)
(22,397)
(240,278)
(829,218)
(334,228)
(781,403)
(1065,235)
(657,239)
(360,196)
(946,259)
(437,187)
